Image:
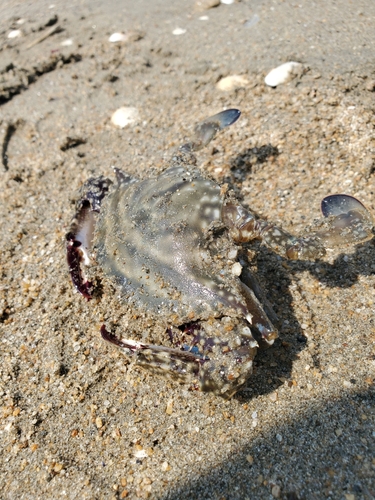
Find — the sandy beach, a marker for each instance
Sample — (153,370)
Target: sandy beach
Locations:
(78,420)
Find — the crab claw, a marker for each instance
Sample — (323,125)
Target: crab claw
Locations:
(80,236)
(78,247)
(206,130)
(74,258)
(349,222)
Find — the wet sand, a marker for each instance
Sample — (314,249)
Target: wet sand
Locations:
(78,420)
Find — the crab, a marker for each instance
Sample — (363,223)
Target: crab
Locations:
(166,249)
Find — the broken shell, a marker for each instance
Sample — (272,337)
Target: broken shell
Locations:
(14,34)
(117,37)
(232,82)
(125,116)
(283,73)
(179,31)
(67,42)
(206,4)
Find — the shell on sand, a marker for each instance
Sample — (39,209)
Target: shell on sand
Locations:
(14,34)
(117,37)
(125,116)
(232,82)
(178,31)
(283,73)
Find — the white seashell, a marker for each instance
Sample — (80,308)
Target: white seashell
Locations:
(206,4)
(21,21)
(117,37)
(283,73)
(67,42)
(14,34)
(227,2)
(129,36)
(125,116)
(232,82)
(204,18)
(179,31)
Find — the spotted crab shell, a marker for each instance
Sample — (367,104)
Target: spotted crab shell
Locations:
(157,239)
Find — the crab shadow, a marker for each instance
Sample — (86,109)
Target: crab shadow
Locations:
(252,156)
(273,366)
(249,160)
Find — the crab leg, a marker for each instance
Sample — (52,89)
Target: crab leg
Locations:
(189,367)
(264,331)
(206,130)
(181,364)
(346,222)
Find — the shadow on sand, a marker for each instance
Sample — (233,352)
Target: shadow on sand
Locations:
(315,455)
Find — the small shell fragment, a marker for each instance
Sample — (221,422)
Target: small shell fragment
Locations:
(283,73)
(15,34)
(67,43)
(236,269)
(206,4)
(125,116)
(117,37)
(232,82)
(179,31)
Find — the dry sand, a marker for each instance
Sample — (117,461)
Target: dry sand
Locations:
(77,420)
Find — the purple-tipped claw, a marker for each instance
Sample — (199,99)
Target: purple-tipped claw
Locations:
(74,258)
(224,118)
(80,236)
(349,222)
(78,246)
